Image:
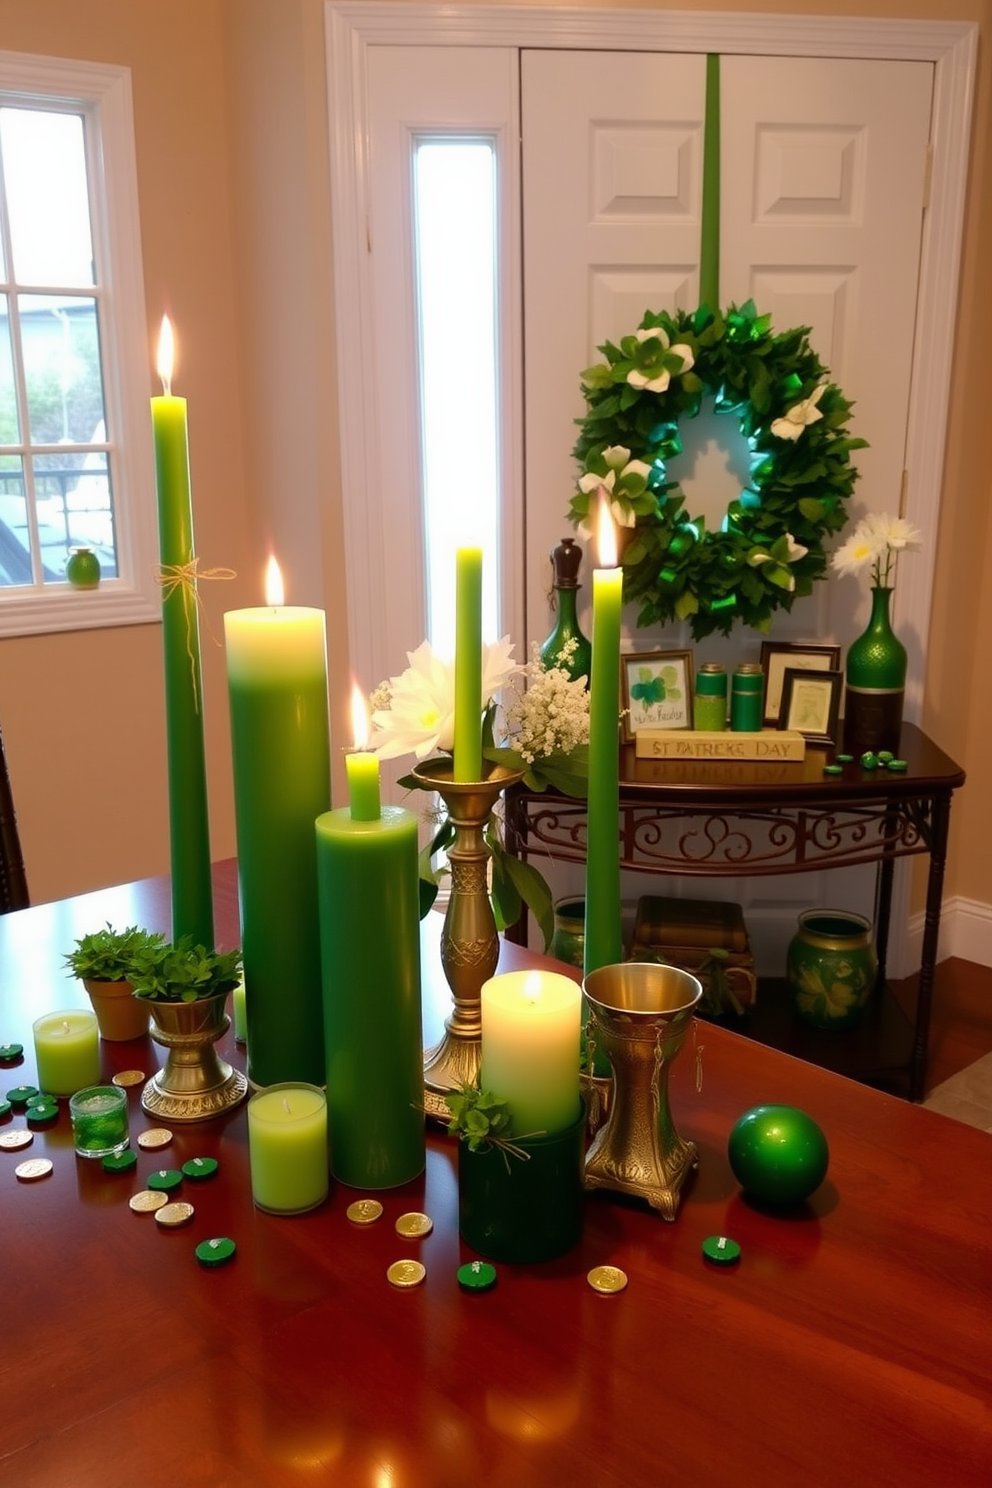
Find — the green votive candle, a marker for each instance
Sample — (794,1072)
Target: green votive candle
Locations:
(67,1050)
(99,1120)
(287,1148)
(370,960)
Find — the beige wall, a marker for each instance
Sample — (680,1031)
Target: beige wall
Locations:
(229,109)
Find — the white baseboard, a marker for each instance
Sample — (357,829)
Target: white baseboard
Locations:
(965,932)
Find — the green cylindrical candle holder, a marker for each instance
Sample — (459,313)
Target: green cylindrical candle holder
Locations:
(367,876)
(522,1200)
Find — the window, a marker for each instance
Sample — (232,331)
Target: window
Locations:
(75,457)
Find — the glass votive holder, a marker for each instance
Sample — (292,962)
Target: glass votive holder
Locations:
(99,1120)
(287,1148)
(67,1050)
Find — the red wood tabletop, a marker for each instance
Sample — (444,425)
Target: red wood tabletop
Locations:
(849,1346)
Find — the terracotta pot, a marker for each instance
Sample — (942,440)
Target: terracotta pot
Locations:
(120,1015)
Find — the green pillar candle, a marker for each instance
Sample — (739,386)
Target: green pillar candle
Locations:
(277,683)
(189,836)
(603,944)
(370,953)
(468,665)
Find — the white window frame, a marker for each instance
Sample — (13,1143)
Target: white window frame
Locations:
(102,93)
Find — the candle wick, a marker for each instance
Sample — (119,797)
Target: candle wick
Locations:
(286,1106)
(167,387)
(65,1025)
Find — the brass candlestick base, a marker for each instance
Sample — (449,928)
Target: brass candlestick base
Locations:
(469,942)
(195,1082)
(641,1013)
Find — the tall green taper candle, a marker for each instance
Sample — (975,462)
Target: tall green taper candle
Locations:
(189,835)
(468,665)
(277,682)
(603,942)
(370,954)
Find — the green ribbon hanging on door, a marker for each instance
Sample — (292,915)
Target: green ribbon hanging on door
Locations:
(709,248)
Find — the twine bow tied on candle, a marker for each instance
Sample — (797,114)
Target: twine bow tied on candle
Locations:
(184,577)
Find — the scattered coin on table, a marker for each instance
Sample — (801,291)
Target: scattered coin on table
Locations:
(155,1137)
(128,1077)
(215,1252)
(33,1169)
(364,1211)
(406,1273)
(171,1216)
(607,1279)
(414,1226)
(147,1201)
(13,1141)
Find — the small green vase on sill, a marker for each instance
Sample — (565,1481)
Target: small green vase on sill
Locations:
(566,559)
(875,683)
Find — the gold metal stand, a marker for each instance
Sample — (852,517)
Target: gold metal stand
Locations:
(469,942)
(195,1082)
(641,1013)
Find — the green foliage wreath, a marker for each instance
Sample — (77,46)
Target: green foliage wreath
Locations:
(769,549)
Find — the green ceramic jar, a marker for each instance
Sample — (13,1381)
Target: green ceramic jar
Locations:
(568,941)
(831,967)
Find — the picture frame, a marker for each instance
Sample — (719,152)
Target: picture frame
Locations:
(776,656)
(811,704)
(657,691)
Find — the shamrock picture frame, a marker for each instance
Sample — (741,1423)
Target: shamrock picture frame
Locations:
(657,691)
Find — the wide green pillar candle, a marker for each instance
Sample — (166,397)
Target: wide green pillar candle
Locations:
(189,836)
(603,942)
(370,952)
(277,683)
(468,665)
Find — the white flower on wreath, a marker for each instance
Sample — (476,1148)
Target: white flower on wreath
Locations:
(877,539)
(660,381)
(619,467)
(799,416)
(414,713)
(782,552)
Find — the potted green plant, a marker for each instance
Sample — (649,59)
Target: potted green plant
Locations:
(103,962)
(185,986)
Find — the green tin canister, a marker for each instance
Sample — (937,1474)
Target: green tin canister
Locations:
(709,705)
(747,697)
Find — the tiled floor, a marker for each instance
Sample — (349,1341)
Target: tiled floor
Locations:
(966,1096)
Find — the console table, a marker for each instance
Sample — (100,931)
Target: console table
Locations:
(722,819)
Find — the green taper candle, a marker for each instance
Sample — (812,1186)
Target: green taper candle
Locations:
(370,954)
(468,665)
(603,942)
(277,683)
(189,836)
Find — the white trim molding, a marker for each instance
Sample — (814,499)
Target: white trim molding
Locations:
(965,932)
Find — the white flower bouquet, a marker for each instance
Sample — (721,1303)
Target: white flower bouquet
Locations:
(878,539)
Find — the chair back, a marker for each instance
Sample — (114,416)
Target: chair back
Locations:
(13,882)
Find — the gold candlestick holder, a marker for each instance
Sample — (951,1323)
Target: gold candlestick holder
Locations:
(469,942)
(640,1013)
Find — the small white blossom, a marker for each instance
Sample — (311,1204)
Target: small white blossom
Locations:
(661,380)
(419,717)
(799,416)
(877,539)
(552,715)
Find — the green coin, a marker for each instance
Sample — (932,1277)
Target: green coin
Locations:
(869,761)
(165,1179)
(884,755)
(10,1052)
(5,1109)
(844,759)
(898,765)
(43,1098)
(20,1095)
(120,1162)
(721,1251)
(42,1114)
(215,1252)
(200,1167)
(476,1276)
(833,769)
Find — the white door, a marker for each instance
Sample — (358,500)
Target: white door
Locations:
(823,163)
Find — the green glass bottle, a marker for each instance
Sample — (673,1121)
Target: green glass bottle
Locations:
(875,683)
(565,561)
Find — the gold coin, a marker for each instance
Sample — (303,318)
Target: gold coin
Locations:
(147,1201)
(607,1279)
(414,1226)
(155,1137)
(406,1273)
(129,1077)
(35,1167)
(13,1141)
(174,1215)
(364,1211)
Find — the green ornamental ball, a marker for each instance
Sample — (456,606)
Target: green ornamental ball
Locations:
(778,1154)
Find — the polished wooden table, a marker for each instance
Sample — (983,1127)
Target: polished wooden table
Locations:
(849,1346)
(742,819)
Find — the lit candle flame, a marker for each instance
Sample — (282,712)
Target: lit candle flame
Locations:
(275,594)
(606,536)
(166,355)
(359,717)
(532,987)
